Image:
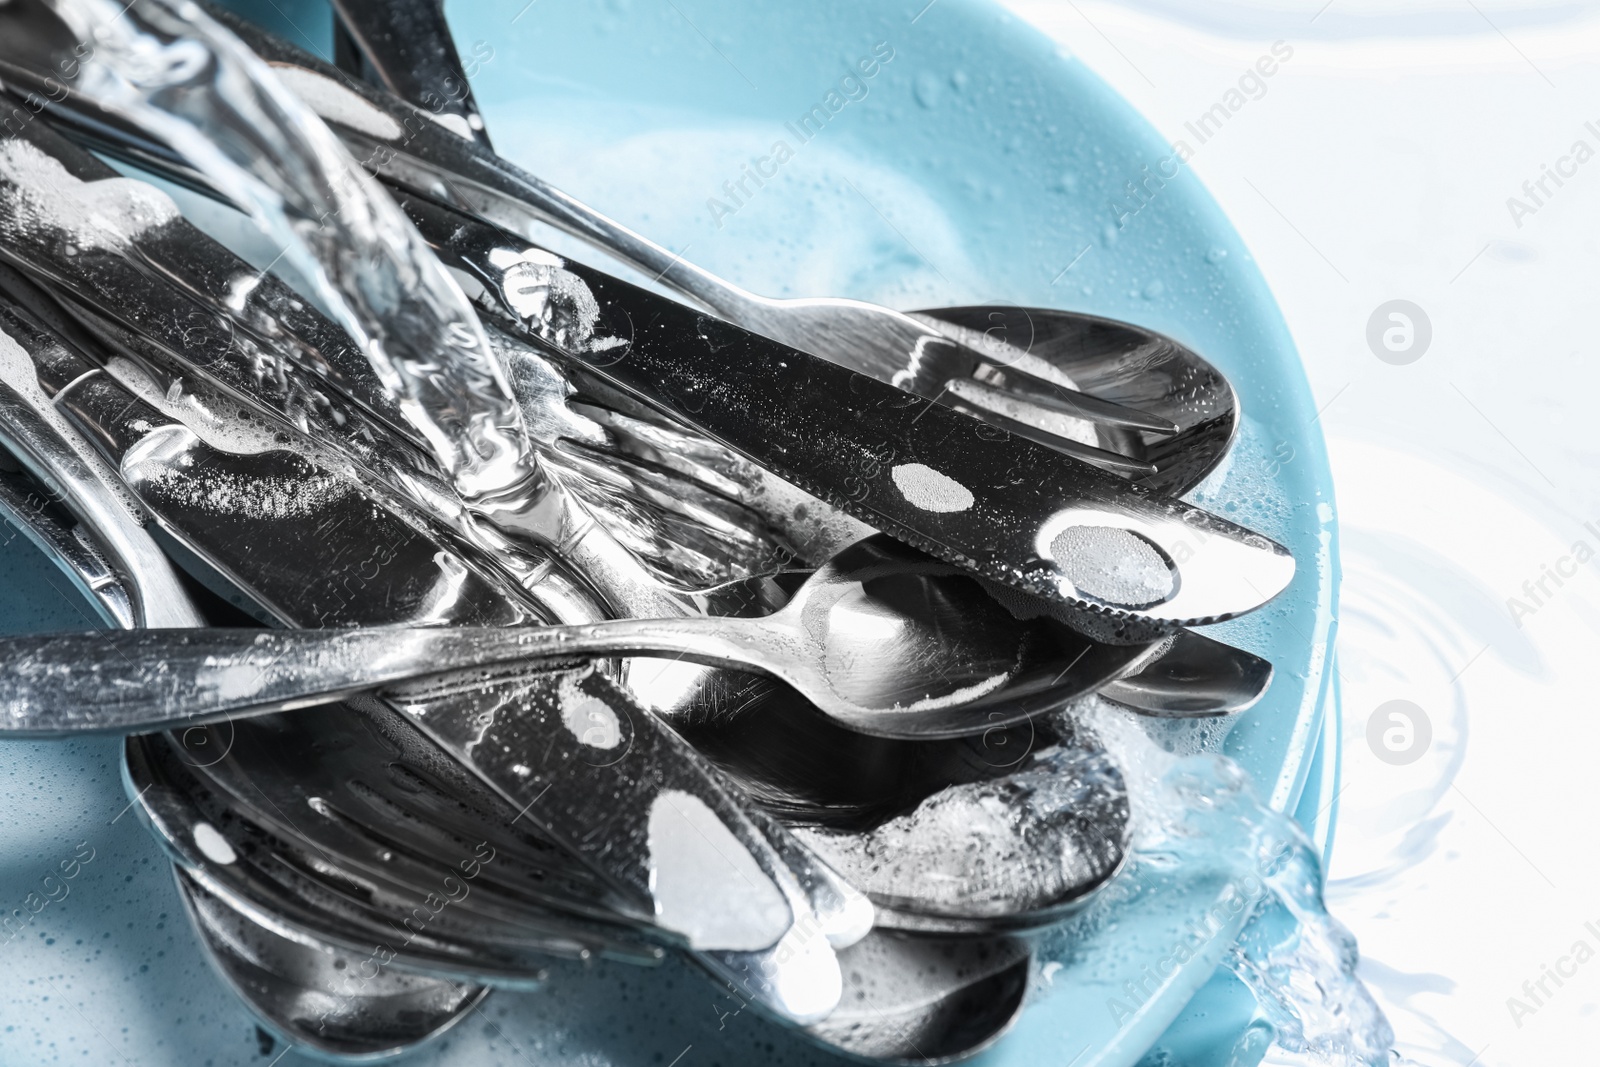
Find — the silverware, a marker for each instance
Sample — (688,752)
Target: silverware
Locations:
(1124,367)
(426,346)
(1013,511)
(1128,365)
(683,505)
(135,415)
(1007,853)
(369,565)
(288,591)
(285,883)
(883,638)
(352,368)
(236,360)
(699,515)
(787,413)
(237,124)
(117,565)
(162,304)
(426,704)
(929,357)
(1195,677)
(30,509)
(279,978)
(384,803)
(907,1000)
(926,1000)
(1046,370)
(305,994)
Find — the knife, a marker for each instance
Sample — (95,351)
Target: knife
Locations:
(1003,507)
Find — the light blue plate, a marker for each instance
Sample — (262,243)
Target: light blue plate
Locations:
(977,165)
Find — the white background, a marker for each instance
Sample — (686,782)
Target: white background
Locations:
(1377,167)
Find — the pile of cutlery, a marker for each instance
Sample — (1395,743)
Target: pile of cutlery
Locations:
(762,661)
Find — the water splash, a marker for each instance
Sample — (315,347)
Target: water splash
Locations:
(183,78)
(1200,813)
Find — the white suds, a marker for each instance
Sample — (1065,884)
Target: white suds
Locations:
(213,844)
(589,719)
(49,199)
(267,498)
(336,103)
(706,884)
(930,490)
(454,123)
(1113,565)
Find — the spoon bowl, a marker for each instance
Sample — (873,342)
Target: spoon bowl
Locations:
(926,1000)
(301,993)
(1120,363)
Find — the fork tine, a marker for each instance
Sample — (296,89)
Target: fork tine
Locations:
(1078,450)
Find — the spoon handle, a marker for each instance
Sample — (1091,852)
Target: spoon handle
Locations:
(137,681)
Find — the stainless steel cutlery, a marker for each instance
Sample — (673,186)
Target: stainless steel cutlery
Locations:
(1015,512)
(597,625)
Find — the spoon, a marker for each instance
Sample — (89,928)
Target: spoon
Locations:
(882,638)
(1150,434)
(1124,364)
(1195,678)
(925,357)
(302,993)
(1005,853)
(926,1000)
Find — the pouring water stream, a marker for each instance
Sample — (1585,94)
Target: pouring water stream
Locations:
(173,71)
(1196,816)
